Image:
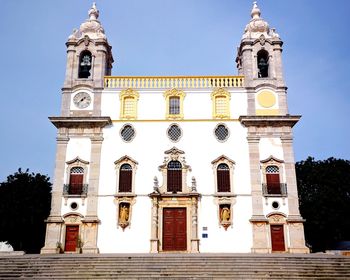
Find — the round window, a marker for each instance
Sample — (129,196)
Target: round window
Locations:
(74,206)
(275,205)
(221,132)
(174,132)
(127,133)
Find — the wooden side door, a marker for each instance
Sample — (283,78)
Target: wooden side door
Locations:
(76,183)
(174,229)
(72,233)
(273,183)
(277,238)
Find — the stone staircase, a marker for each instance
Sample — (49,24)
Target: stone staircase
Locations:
(175,266)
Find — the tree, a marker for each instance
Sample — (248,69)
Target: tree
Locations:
(25,200)
(324,197)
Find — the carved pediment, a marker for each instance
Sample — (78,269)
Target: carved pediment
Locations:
(125,159)
(223,158)
(272,159)
(78,161)
(174,151)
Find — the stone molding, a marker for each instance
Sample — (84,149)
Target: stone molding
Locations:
(271,121)
(80,122)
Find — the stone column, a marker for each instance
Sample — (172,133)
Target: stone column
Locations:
(70,65)
(100,67)
(282,102)
(55,221)
(91,219)
(194,230)
(277,54)
(294,220)
(248,63)
(258,220)
(154,226)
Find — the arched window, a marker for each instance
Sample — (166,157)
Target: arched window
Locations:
(273,179)
(174,176)
(223,178)
(263,64)
(85,62)
(125,178)
(76,180)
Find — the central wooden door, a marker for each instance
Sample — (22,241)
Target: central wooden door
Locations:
(72,234)
(174,229)
(277,238)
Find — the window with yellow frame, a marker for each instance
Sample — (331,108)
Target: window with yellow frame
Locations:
(174,103)
(128,101)
(221,103)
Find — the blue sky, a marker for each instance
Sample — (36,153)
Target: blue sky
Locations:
(171,37)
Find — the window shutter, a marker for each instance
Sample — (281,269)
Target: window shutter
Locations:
(125,178)
(76,180)
(273,180)
(223,178)
(174,177)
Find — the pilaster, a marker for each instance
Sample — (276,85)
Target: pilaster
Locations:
(54,221)
(154,226)
(295,221)
(258,220)
(91,220)
(194,232)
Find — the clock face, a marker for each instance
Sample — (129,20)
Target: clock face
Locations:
(82,100)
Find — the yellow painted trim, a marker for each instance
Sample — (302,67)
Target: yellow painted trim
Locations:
(134,95)
(266,99)
(187,120)
(174,93)
(221,92)
(267,112)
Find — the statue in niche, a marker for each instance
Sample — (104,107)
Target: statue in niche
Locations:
(225,214)
(124,215)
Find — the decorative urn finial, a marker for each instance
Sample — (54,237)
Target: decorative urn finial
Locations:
(255,11)
(93,12)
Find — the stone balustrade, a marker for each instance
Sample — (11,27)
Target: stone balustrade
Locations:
(173,82)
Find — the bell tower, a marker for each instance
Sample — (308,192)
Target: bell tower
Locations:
(73,221)
(260,52)
(259,60)
(89,59)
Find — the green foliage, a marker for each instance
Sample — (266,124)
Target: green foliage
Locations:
(25,200)
(324,197)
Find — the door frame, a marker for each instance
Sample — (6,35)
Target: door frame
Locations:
(161,201)
(278,219)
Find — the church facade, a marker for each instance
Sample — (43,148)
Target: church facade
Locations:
(174,164)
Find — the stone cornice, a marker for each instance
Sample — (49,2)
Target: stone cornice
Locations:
(274,121)
(173,195)
(80,122)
